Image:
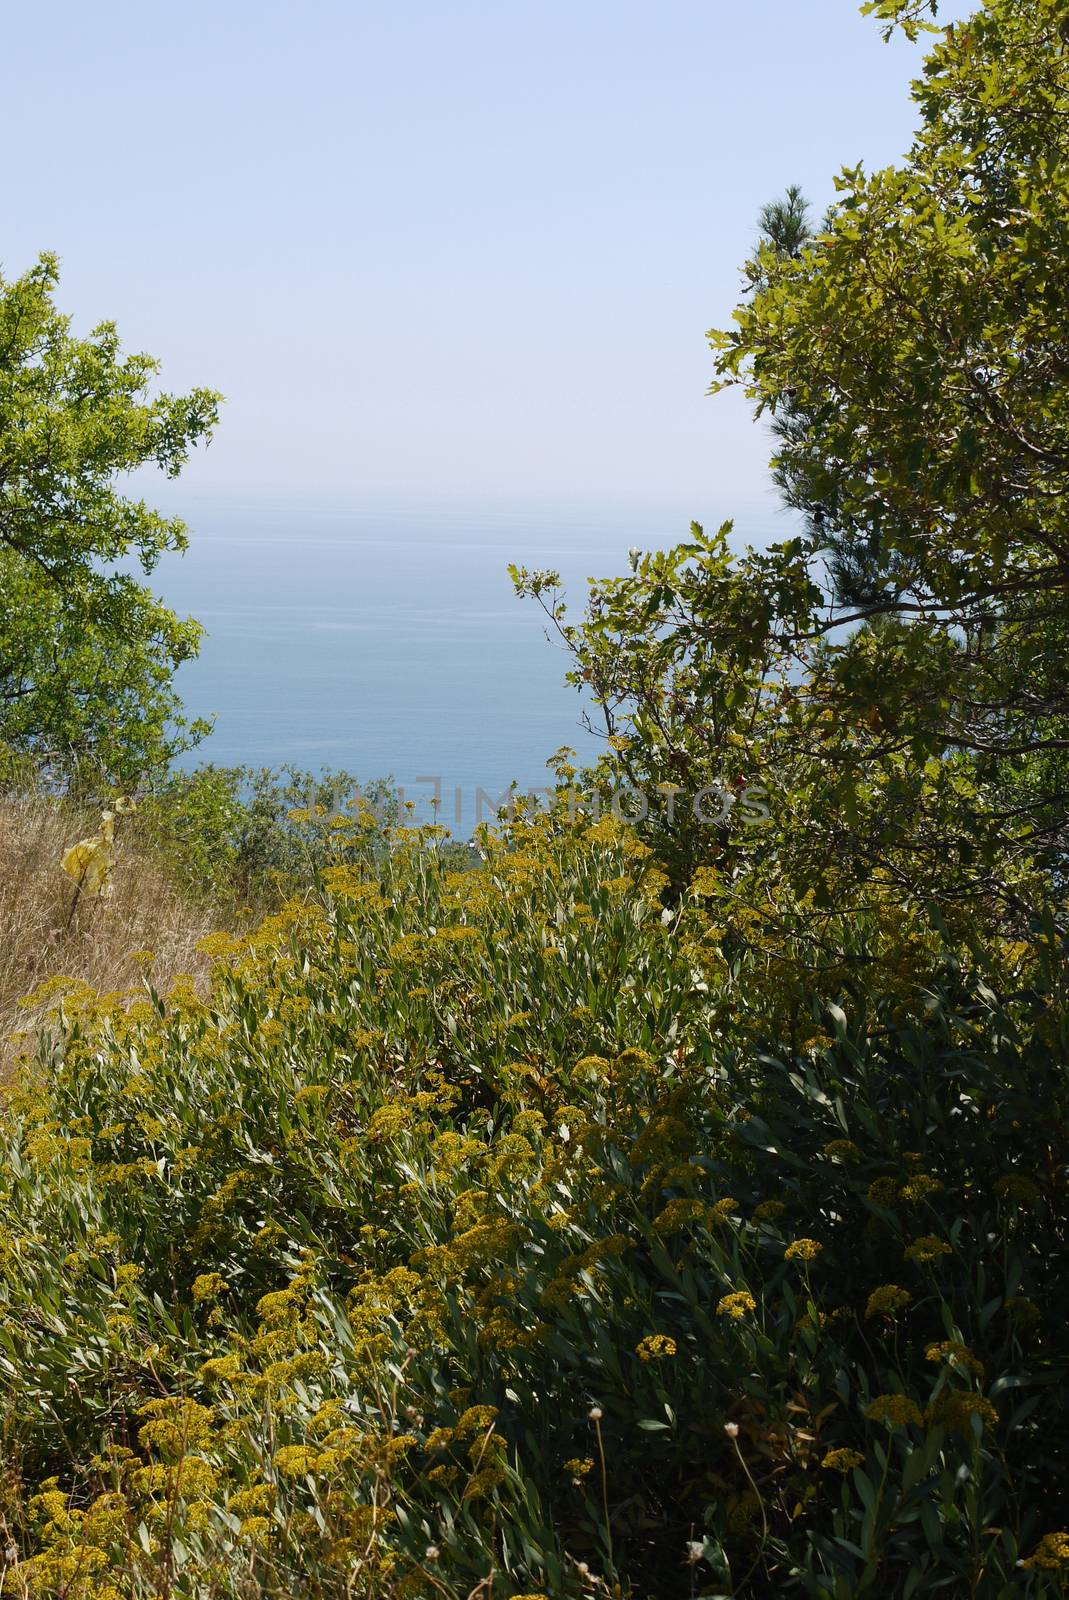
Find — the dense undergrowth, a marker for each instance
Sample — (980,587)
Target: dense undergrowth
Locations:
(503,1233)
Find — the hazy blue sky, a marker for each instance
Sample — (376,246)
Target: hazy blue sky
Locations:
(436,250)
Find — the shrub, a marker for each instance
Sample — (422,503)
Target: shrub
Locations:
(393,1267)
(251,835)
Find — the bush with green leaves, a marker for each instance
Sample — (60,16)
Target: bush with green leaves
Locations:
(87,651)
(250,835)
(498,1232)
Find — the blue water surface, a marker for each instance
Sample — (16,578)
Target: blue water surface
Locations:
(388,641)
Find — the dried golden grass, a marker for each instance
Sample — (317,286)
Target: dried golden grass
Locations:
(40,937)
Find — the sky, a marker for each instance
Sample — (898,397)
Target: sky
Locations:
(432,252)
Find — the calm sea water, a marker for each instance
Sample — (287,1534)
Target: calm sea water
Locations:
(388,641)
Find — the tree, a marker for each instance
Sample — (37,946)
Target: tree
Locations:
(87,651)
(895,675)
(914,358)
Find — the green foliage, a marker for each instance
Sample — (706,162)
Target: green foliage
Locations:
(87,653)
(909,15)
(488,1228)
(914,356)
(895,676)
(802,775)
(250,836)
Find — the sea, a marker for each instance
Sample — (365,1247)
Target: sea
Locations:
(387,641)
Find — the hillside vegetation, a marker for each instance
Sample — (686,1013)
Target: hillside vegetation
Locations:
(670,1209)
(477,1234)
(198,852)
(45,935)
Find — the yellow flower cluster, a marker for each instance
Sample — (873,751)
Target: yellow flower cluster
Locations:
(927,1248)
(706,882)
(954,1353)
(897,1409)
(209,1286)
(955,1409)
(679,1214)
(844,1150)
(919,1186)
(1018,1190)
(295,1460)
(803,1250)
(1022,1312)
(1051,1554)
(737,1305)
(655,1347)
(887,1300)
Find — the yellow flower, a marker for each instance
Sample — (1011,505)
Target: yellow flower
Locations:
(220,1369)
(1052,1553)
(955,1353)
(1021,1191)
(803,1250)
(736,1305)
(897,1409)
(655,1347)
(919,1187)
(705,882)
(388,1121)
(294,1460)
(1021,1311)
(528,1123)
(844,1150)
(883,1191)
(579,1466)
(476,1419)
(481,1483)
(886,1300)
(769,1210)
(678,1214)
(217,945)
(842,1460)
(176,1426)
(257,1498)
(955,1408)
(927,1248)
(311,1094)
(208,1286)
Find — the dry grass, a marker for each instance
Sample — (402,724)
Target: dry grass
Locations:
(40,938)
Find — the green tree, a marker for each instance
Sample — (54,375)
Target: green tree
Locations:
(896,674)
(913,356)
(87,651)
